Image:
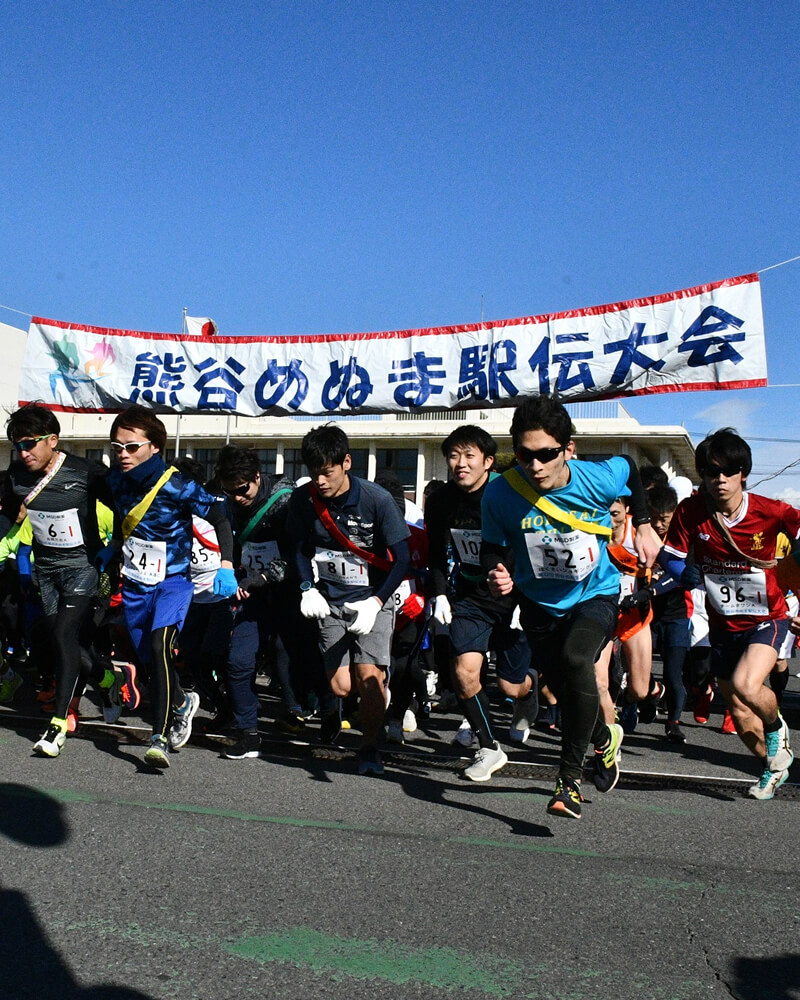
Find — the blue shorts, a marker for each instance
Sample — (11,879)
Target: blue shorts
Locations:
(727,648)
(148,608)
(476,629)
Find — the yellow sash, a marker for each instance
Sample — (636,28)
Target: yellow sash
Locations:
(135,514)
(521,485)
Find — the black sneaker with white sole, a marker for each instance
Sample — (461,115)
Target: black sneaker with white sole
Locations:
(247,746)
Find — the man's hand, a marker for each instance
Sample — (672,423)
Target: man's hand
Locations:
(441,610)
(647,544)
(365,612)
(500,581)
(313,604)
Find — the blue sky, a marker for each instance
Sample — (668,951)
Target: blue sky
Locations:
(294,167)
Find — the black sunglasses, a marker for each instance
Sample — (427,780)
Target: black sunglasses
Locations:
(29,443)
(542,455)
(237,491)
(712,471)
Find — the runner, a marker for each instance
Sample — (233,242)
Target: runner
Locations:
(554,513)
(477,619)
(267,602)
(60,493)
(155,505)
(733,534)
(342,529)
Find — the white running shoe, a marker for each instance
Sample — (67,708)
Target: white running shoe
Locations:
(51,743)
(409,722)
(487,761)
(521,721)
(779,751)
(768,784)
(181,728)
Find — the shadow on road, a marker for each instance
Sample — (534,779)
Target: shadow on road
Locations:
(34,968)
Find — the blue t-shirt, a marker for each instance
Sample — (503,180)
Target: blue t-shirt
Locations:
(166,528)
(557,566)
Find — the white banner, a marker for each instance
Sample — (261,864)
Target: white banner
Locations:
(709,337)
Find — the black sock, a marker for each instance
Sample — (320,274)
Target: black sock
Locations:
(773,727)
(476,711)
(778,682)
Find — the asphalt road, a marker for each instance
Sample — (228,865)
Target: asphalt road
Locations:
(293,877)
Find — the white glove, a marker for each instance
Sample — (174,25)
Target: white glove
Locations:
(313,604)
(441,610)
(515,618)
(365,614)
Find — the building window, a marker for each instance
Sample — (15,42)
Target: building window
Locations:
(402,462)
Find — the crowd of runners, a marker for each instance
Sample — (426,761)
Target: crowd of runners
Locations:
(557,577)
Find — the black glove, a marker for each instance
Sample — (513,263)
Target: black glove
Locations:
(253,582)
(690,578)
(276,571)
(639,599)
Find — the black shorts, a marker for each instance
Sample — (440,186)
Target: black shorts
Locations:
(475,629)
(727,648)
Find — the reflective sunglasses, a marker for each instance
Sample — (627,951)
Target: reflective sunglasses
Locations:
(237,491)
(29,443)
(542,455)
(131,447)
(712,471)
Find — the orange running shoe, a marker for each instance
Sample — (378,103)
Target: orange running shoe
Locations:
(727,723)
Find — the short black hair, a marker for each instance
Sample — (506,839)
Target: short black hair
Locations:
(237,465)
(32,420)
(190,468)
(661,499)
(470,434)
(326,445)
(139,418)
(723,447)
(389,481)
(541,413)
(652,475)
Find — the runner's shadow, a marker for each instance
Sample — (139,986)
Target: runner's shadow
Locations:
(776,978)
(35,968)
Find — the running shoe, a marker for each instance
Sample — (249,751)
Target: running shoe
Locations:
(394,731)
(9,685)
(465,736)
(768,784)
(369,761)
(130,694)
(222,725)
(112,699)
(779,752)
(330,727)
(487,760)
(448,702)
(47,693)
(409,721)
(674,733)
(157,754)
(52,742)
(629,717)
(291,722)
(525,711)
(181,728)
(727,724)
(73,715)
(702,705)
(606,760)
(247,747)
(648,708)
(549,719)
(566,800)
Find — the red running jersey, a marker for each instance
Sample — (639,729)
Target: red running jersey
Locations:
(738,594)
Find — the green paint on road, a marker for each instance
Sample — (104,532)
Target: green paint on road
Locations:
(443,968)
(527,845)
(181,807)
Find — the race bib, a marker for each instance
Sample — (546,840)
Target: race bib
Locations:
(627,585)
(256,556)
(467,544)
(570,557)
(345,568)
(204,564)
(403,592)
(738,593)
(57,531)
(143,561)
